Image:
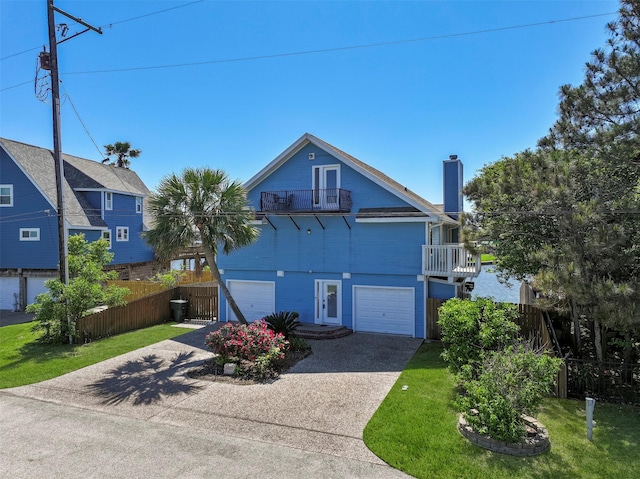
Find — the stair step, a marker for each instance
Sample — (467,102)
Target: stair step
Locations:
(322,332)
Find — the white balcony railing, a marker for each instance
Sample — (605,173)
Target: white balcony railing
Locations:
(451,260)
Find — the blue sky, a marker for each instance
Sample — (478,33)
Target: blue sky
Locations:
(402,107)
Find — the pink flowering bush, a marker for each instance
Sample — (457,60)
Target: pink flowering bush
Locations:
(256,349)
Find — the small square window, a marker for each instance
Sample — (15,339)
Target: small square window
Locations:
(108,200)
(122,233)
(29,234)
(138,204)
(106,235)
(6,195)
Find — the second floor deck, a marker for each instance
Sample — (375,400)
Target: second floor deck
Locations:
(306,201)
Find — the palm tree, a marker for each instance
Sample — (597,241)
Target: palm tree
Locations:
(122,151)
(201,204)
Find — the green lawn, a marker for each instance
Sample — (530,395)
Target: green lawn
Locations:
(415,431)
(25,361)
(487,258)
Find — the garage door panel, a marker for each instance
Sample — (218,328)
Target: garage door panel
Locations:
(256,299)
(9,287)
(384,310)
(35,286)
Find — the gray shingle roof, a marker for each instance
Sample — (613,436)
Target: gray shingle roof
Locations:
(80,174)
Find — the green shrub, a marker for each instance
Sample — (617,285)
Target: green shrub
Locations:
(470,329)
(298,344)
(512,382)
(283,322)
(256,349)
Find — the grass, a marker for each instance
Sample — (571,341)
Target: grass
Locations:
(487,258)
(25,361)
(415,431)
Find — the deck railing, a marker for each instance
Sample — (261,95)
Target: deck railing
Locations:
(304,201)
(451,260)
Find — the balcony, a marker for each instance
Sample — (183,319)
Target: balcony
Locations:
(334,200)
(451,261)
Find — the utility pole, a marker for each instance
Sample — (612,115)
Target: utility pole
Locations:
(57,137)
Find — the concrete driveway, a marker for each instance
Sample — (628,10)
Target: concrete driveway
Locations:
(319,408)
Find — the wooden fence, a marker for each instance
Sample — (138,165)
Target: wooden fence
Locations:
(148,311)
(532,325)
(137,314)
(140,289)
(203,301)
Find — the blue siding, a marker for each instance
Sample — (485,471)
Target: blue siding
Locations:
(441,290)
(296,292)
(307,248)
(124,214)
(452,187)
(297,174)
(30,210)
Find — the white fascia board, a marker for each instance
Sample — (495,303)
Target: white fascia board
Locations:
(407,219)
(120,192)
(35,184)
(279,160)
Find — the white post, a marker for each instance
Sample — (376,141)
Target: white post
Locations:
(591,404)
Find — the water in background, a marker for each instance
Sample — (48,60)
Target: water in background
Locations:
(487,284)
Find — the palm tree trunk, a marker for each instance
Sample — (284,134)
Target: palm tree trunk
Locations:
(208,253)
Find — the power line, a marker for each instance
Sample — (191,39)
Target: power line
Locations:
(110,25)
(345,48)
(329,50)
(73,106)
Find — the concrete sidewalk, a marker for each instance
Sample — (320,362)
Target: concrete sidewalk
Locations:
(320,407)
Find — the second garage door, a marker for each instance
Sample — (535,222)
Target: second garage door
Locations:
(384,310)
(256,299)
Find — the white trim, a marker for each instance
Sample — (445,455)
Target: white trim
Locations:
(109,238)
(396,219)
(405,288)
(29,177)
(138,200)
(107,204)
(30,230)
(307,138)
(119,192)
(122,233)
(10,204)
(319,296)
(426,295)
(228,283)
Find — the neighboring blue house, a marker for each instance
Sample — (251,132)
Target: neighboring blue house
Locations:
(101,201)
(343,244)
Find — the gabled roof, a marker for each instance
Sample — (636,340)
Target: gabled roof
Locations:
(363,168)
(80,175)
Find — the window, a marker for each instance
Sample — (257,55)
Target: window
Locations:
(108,200)
(122,233)
(6,195)
(29,234)
(106,235)
(138,204)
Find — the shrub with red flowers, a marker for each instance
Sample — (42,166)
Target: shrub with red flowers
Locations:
(256,349)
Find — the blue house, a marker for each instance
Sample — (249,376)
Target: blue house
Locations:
(101,201)
(341,243)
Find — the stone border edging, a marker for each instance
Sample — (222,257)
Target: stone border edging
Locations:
(528,446)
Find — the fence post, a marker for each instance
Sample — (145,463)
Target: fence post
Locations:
(591,404)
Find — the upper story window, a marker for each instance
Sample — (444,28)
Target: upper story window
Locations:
(6,195)
(108,200)
(106,235)
(138,204)
(29,234)
(122,233)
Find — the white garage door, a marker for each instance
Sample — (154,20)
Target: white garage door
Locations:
(256,299)
(384,310)
(9,287)
(35,286)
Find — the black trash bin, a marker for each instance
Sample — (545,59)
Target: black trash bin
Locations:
(179,309)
